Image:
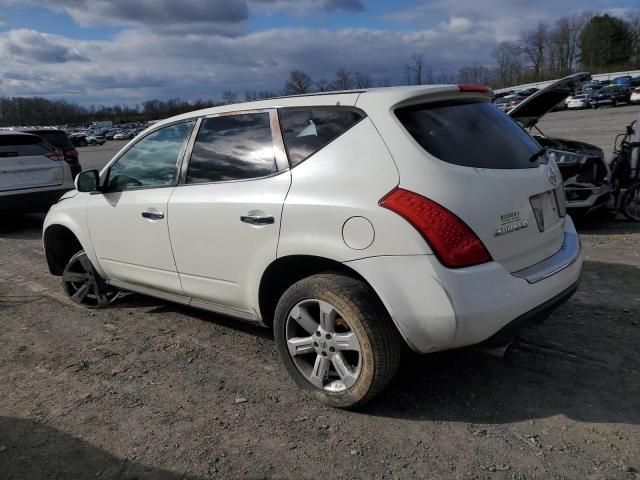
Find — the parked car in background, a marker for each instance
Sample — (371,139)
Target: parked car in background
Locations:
(611,96)
(584,170)
(624,81)
(502,103)
(79,139)
(95,139)
(60,140)
(579,101)
(126,135)
(356,227)
(33,173)
(635,95)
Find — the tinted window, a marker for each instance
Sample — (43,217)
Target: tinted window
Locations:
(470,134)
(23,146)
(306,131)
(232,147)
(55,137)
(151,162)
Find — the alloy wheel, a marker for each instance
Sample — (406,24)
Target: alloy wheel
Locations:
(83,285)
(323,346)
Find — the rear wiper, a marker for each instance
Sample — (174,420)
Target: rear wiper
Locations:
(537,155)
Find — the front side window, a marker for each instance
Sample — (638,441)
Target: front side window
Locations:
(151,162)
(232,147)
(307,130)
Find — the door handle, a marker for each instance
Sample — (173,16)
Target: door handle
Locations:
(257,219)
(151,215)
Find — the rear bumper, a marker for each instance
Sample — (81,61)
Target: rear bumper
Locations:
(588,198)
(436,308)
(532,317)
(21,201)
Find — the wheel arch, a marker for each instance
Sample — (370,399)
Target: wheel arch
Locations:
(60,244)
(285,271)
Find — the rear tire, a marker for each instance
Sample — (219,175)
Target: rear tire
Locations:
(630,205)
(336,339)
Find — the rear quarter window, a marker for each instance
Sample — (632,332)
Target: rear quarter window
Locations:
(58,139)
(23,146)
(308,130)
(470,134)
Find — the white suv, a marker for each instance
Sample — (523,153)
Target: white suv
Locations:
(351,223)
(33,173)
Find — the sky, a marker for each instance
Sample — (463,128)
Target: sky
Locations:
(127,51)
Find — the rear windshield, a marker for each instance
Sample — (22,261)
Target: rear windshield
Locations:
(470,134)
(22,146)
(55,137)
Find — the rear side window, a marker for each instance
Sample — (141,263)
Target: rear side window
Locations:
(23,146)
(56,138)
(470,134)
(232,147)
(308,130)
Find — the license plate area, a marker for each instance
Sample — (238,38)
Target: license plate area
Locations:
(545,209)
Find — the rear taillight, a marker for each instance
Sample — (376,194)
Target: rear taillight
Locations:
(474,88)
(450,238)
(57,155)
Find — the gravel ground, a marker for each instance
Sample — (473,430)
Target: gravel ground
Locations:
(598,127)
(148,389)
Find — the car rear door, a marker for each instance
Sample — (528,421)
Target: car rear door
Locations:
(490,173)
(225,214)
(26,161)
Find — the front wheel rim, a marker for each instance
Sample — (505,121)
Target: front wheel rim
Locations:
(323,346)
(83,285)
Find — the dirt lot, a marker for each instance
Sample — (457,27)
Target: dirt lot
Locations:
(147,389)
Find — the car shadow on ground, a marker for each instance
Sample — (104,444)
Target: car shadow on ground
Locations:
(582,362)
(157,306)
(22,227)
(32,450)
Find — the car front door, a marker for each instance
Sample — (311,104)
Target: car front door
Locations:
(128,220)
(225,213)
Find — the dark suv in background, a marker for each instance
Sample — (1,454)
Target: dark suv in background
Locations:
(610,95)
(583,167)
(60,140)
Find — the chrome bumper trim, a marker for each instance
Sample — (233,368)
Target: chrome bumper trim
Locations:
(563,258)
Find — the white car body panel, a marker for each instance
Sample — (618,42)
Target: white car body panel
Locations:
(201,254)
(333,186)
(32,171)
(210,241)
(143,255)
(436,308)
(478,196)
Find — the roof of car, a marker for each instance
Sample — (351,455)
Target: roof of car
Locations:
(344,98)
(15,132)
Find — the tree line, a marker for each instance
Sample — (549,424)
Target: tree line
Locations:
(595,43)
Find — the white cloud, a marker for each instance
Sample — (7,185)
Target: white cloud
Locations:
(138,64)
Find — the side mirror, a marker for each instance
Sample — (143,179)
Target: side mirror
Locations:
(87,181)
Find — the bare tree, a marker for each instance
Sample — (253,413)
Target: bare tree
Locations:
(299,83)
(533,44)
(415,69)
(474,74)
(634,28)
(323,85)
(508,64)
(343,81)
(229,97)
(362,80)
